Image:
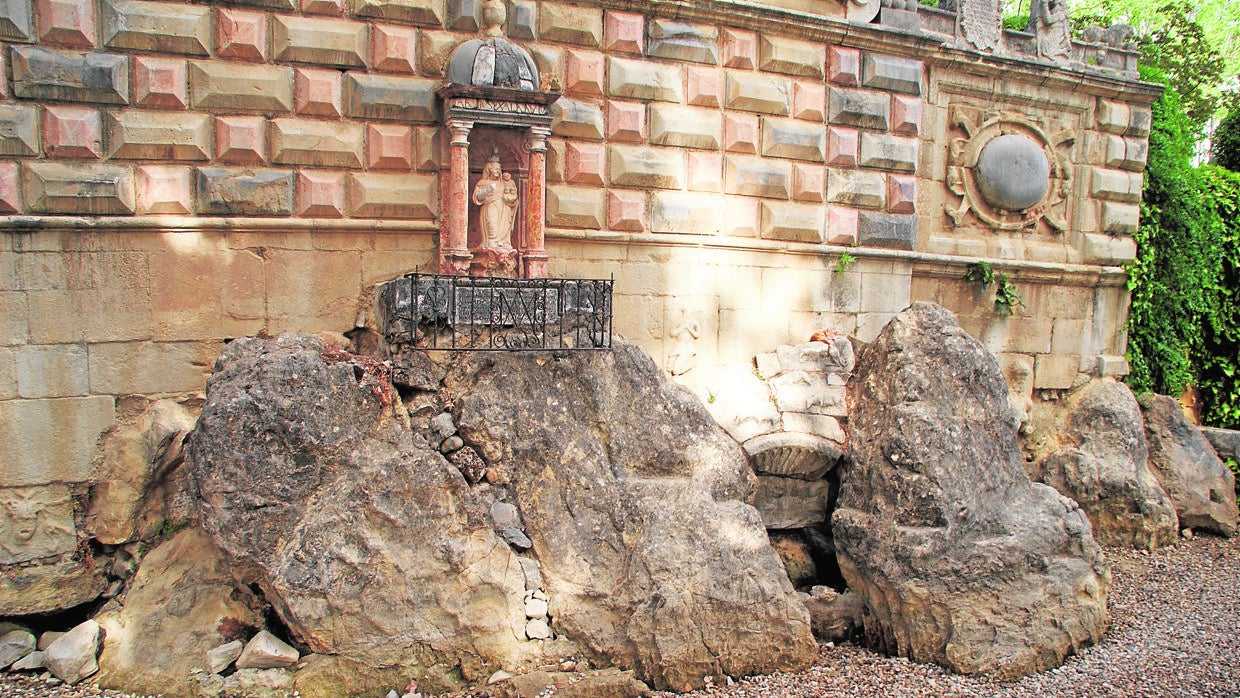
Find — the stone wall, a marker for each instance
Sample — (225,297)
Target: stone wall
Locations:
(174,174)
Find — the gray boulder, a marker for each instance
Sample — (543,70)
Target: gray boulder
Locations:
(1201,487)
(959,558)
(72,657)
(1102,463)
(15,645)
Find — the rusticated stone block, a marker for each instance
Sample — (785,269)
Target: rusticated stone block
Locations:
(228,86)
(435,49)
(1115,185)
(843,145)
(393,196)
(161,27)
(1104,248)
(905,115)
(390,98)
(159,82)
(68,23)
(683,212)
(858,108)
(229,192)
(901,194)
(808,182)
(759,93)
(522,20)
(426,154)
(164,190)
(10,196)
(583,73)
(890,73)
(880,150)
(624,32)
(682,41)
(1127,153)
(842,224)
(705,86)
(241,140)
(856,188)
(780,54)
(317,143)
(320,194)
(705,170)
(241,34)
(389,147)
(1122,119)
(843,66)
(573,119)
(284,5)
(16,22)
(463,15)
(392,48)
(98,190)
(782,220)
(19,129)
(317,92)
(158,135)
(626,122)
(626,210)
(583,163)
(555,159)
(426,13)
(638,79)
(785,138)
(809,100)
(323,7)
(639,166)
(753,176)
(740,48)
(570,24)
(686,127)
(887,230)
(41,74)
(1120,218)
(740,133)
(575,207)
(336,42)
(72,132)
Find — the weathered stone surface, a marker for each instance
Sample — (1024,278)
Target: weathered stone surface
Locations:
(156,135)
(15,645)
(686,127)
(638,79)
(336,42)
(1120,219)
(1122,153)
(90,189)
(51,440)
(792,455)
(390,98)
(893,231)
(960,559)
(683,41)
(16,22)
(575,207)
(641,166)
(1201,488)
(856,187)
(570,24)
(806,391)
(222,656)
(241,87)
(783,55)
(1102,463)
(1114,185)
(19,129)
(266,651)
(316,142)
(429,13)
(786,138)
(35,523)
(890,73)
(782,220)
(888,152)
(47,588)
(685,212)
(178,608)
(862,108)
(757,92)
(72,657)
(573,119)
(375,195)
(790,503)
(754,176)
(605,683)
(161,27)
(101,78)
(1226,442)
(230,192)
(836,617)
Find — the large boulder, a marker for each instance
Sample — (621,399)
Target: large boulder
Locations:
(1101,462)
(959,558)
(1201,487)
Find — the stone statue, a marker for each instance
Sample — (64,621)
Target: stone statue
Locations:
(1048,22)
(496,197)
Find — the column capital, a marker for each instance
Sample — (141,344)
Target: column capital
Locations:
(537,142)
(460,129)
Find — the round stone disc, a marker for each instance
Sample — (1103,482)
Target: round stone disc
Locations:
(1013,172)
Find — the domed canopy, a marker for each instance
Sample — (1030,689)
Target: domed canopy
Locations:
(493,62)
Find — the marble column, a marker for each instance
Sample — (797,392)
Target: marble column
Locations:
(454,252)
(535,254)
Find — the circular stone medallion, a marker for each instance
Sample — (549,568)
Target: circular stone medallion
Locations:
(1012,172)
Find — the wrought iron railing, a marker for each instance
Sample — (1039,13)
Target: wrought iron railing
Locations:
(436,311)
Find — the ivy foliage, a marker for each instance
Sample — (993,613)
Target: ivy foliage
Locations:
(1225,151)
(1184,322)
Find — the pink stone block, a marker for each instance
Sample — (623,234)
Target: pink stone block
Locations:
(906,115)
(583,163)
(842,144)
(241,35)
(241,140)
(809,100)
(320,194)
(841,225)
(72,132)
(9,188)
(626,122)
(740,48)
(705,85)
(583,73)
(323,7)
(392,48)
(740,133)
(316,92)
(159,82)
(705,170)
(808,182)
(624,32)
(164,190)
(843,66)
(4,83)
(901,194)
(66,22)
(389,147)
(626,210)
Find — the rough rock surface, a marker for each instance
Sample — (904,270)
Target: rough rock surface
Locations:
(72,657)
(1200,486)
(1102,463)
(959,558)
(649,557)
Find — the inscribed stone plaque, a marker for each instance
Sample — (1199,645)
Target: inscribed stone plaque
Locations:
(981,23)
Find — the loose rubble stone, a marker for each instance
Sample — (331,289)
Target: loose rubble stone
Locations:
(71,657)
(221,657)
(1200,486)
(266,651)
(15,645)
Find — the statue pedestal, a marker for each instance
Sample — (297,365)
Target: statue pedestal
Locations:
(495,261)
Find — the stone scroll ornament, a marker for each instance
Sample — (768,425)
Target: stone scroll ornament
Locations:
(981,23)
(1010,172)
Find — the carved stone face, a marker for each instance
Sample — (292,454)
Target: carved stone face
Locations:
(23,517)
(491,171)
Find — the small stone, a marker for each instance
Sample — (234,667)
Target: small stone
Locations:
(532,572)
(450,444)
(30,662)
(537,629)
(15,645)
(443,425)
(393,694)
(266,651)
(1187,533)
(220,657)
(516,538)
(71,657)
(505,515)
(499,676)
(47,638)
(535,608)
(568,666)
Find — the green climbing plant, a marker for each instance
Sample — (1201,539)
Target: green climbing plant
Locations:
(1007,297)
(845,261)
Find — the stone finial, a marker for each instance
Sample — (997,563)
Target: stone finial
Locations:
(494,14)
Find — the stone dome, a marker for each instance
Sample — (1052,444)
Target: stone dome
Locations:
(493,61)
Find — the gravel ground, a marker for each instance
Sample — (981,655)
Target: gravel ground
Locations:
(1175,632)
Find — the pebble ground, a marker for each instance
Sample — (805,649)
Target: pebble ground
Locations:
(1175,631)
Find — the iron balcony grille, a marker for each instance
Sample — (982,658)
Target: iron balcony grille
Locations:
(481,313)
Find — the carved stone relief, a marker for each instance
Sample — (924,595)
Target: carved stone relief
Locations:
(35,523)
(981,23)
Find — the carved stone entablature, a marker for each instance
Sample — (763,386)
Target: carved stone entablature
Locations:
(1009,170)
